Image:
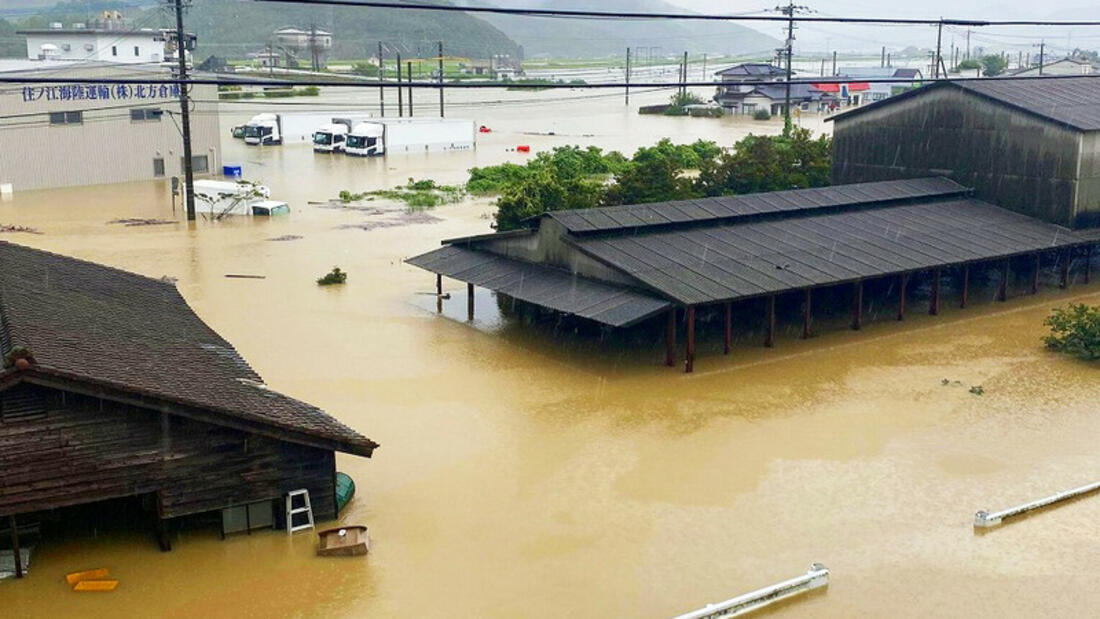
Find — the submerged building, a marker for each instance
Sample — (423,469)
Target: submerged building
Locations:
(112,388)
(623,265)
(68,133)
(1029,145)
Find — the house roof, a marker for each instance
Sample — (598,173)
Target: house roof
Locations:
(726,249)
(753,69)
(87,322)
(1072,102)
(878,72)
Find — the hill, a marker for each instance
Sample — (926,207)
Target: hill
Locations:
(590,38)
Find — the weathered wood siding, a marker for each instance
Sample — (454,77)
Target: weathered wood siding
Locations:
(85,449)
(1010,158)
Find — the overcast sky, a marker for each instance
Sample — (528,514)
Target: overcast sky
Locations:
(828,37)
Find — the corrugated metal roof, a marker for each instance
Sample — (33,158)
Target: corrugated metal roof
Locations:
(1070,101)
(542,285)
(731,261)
(732,208)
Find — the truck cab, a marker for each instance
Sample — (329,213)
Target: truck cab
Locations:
(263,130)
(330,138)
(366,140)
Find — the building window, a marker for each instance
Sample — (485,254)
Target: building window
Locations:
(66,118)
(114,50)
(199,164)
(748,108)
(158,167)
(142,114)
(137,50)
(66,47)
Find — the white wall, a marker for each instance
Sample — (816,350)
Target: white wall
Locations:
(150,50)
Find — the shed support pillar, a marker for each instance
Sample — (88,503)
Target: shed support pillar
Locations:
(965,287)
(1035,274)
(902,281)
(470,302)
(934,301)
(857,306)
(729,328)
(670,339)
(15,547)
(1088,263)
(162,536)
(807,314)
(1067,261)
(769,338)
(689,361)
(1002,291)
(438,295)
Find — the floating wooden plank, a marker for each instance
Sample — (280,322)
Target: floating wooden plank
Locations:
(985,520)
(817,576)
(96,585)
(96,574)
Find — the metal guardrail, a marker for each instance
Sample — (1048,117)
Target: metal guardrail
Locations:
(816,576)
(985,520)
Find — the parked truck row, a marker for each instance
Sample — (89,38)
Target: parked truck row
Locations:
(359,134)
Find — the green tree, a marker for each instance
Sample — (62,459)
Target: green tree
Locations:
(541,192)
(768,163)
(1075,330)
(968,65)
(993,65)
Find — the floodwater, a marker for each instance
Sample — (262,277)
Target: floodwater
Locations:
(526,474)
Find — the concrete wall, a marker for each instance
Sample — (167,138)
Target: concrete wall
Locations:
(107,147)
(105,47)
(1012,159)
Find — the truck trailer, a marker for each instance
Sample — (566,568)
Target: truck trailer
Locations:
(409,135)
(297,128)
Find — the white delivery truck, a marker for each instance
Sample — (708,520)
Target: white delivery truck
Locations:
(330,136)
(297,128)
(220,198)
(409,135)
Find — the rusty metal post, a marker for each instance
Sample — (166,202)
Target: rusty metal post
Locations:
(15,547)
(1035,275)
(769,339)
(670,339)
(729,327)
(1067,261)
(807,314)
(966,286)
(470,302)
(689,361)
(902,280)
(934,302)
(857,306)
(1002,291)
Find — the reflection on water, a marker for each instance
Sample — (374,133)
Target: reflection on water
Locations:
(532,472)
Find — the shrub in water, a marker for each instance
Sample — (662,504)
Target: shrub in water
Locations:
(761,115)
(335,276)
(1075,330)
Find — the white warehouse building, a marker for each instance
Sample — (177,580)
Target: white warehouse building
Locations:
(66,133)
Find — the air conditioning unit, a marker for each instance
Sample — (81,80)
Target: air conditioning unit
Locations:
(66,47)
(88,47)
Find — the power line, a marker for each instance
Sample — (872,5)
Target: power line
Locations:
(684,16)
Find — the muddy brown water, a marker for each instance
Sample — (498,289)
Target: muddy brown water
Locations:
(525,473)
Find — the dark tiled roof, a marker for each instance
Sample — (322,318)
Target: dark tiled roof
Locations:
(106,326)
(731,208)
(753,69)
(542,285)
(732,261)
(1073,102)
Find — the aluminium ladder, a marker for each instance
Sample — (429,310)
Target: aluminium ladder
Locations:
(292,511)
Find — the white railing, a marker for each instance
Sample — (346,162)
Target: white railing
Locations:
(984,519)
(816,576)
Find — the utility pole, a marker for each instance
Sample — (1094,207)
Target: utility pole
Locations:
(400,94)
(939,43)
(185,115)
(381,81)
(968,44)
(1042,55)
(442,113)
(834,63)
(313,47)
(789,11)
(683,82)
(627,74)
(882,61)
(409,75)
(704,67)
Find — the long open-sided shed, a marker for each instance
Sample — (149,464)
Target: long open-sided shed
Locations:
(111,387)
(621,265)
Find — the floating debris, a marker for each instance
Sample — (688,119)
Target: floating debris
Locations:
(817,576)
(239,276)
(168,279)
(335,276)
(286,237)
(12,228)
(977,390)
(985,520)
(398,220)
(141,221)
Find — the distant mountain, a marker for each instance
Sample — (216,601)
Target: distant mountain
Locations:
(234,28)
(580,38)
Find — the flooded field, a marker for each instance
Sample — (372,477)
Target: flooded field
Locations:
(527,474)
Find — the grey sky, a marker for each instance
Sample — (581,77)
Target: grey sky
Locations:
(828,37)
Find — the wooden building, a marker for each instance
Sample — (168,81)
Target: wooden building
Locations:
(112,387)
(1029,145)
(622,265)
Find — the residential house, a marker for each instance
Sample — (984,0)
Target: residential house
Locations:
(1063,66)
